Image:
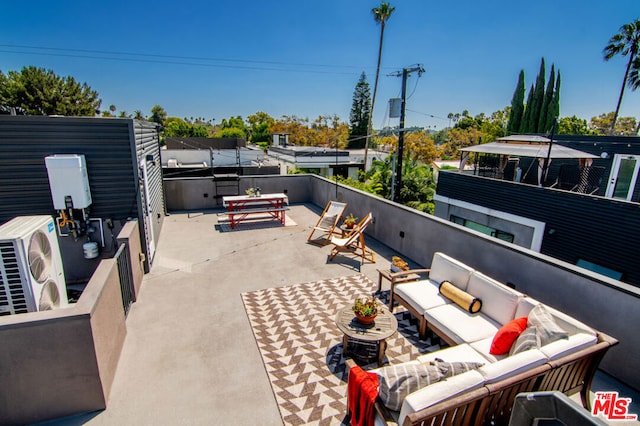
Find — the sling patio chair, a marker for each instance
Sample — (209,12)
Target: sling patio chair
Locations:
(327,222)
(354,242)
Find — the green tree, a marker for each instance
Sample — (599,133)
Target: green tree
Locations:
(158,114)
(526,117)
(260,127)
(517,106)
(625,43)
(553,111)
(601,125)
(543,120)
(537,100)
(237,123)
(381,14)
(38,91)
(573,126)
(360,113)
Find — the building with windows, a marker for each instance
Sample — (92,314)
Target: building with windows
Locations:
(586,212)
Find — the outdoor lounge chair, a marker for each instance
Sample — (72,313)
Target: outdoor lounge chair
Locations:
(354,241)
(327,222)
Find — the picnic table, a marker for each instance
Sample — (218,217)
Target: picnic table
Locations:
(241,206)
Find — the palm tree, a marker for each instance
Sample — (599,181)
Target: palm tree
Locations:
(625,42)
(381,14)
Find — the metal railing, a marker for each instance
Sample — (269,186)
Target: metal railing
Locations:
(126,277)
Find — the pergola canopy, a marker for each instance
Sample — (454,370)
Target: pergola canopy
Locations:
(520,148)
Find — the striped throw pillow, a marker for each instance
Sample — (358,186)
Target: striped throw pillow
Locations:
(548,330)
(528,339)
(395,382)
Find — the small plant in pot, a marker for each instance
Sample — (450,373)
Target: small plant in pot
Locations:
(365,309)
(350,221)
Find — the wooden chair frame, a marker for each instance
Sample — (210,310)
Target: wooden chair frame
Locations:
(333,208)
(354,242)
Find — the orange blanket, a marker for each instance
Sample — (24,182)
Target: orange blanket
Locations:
(362,392)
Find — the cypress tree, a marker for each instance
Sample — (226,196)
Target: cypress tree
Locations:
(526,118)
(517,107)
(538,99)
(543,123)
(360,111)
(554,106)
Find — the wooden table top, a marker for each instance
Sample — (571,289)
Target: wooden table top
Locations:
(384,326)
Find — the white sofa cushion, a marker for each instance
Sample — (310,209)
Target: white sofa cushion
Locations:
(459,353)
(572,325)
(573,343)
(482,347)
(421,295)
(461,326)
(512,365)
(440,391)
(499,302)
(446,268)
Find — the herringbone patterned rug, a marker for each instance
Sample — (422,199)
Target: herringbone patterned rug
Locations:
(301,346)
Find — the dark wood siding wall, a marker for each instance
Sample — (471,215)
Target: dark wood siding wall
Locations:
(110,148)
(597,229)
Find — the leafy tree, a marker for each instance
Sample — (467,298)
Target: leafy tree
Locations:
(233,123)
(138,115)
(38,91)
(360,114)
(231,132)
(294,126)
(601,125)
(625,43)
(177,127)
(517,106)
(158,114)
(573,126)
(381,14)
(418,185)
(260,127)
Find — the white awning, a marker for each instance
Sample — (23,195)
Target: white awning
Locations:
(528,149)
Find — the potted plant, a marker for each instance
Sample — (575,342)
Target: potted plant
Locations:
(350,221)
(398,264)
(365,309)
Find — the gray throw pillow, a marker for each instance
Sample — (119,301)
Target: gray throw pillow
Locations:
(448,369)
(528,339)
(548,330)
(395,382)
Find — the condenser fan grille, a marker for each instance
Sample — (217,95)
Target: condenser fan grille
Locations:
(50,298)
(39,256)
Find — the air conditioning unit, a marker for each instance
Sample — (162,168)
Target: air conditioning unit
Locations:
(31,273)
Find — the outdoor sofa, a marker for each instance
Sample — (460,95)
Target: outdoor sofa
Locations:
(485,395)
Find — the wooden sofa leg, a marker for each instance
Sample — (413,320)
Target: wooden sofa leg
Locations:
(422,328)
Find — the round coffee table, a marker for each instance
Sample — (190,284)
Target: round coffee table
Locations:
(384,326)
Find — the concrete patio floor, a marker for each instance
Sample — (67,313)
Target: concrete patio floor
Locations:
(190,356)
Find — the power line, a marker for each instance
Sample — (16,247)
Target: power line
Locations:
(178,60)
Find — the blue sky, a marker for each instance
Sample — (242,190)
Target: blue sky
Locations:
(218,59)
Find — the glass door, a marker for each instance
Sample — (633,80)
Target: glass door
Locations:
(624,174)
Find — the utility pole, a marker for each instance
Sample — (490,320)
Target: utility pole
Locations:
(400,153)
(547,160)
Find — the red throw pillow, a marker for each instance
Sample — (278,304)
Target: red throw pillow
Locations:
(508,333)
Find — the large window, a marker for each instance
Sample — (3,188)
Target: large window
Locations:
(599,269)
(501,235)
